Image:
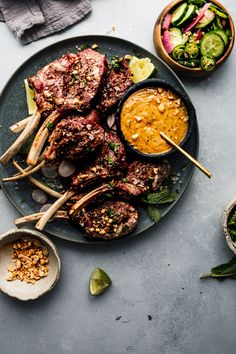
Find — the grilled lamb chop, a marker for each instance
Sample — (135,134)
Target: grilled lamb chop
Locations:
(86,79)
(76,89)
(142,177)
(74,137)
(107,221)
(110,162)
(117,81)
(70,82)
(50,82)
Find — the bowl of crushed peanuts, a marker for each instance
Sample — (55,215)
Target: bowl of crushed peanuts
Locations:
(29,264)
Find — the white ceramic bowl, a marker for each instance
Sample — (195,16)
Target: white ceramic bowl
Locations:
(20,289)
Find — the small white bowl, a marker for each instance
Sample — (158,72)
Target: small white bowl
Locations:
(229,207)
(20,289)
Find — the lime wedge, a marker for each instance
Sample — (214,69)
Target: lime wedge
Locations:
(141,69)
(30,98)
(99,282)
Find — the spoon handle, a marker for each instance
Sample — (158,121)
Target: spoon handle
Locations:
(171,142)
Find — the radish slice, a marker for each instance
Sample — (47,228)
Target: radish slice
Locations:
(50,171)
(111,120)
(39,196)
(198,18)
(167,42)
(45,207)
(199,35)
(66,168)
(166,22)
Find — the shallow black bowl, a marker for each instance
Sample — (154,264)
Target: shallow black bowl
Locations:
(155,83)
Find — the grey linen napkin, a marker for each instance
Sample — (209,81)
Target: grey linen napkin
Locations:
(30,20)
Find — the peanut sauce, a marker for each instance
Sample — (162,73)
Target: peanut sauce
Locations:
(149,111)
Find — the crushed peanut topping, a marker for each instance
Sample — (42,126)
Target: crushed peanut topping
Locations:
(31,260)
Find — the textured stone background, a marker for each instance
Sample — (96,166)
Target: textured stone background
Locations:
(156,274)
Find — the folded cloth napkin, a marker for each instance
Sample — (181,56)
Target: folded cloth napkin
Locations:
(30,20)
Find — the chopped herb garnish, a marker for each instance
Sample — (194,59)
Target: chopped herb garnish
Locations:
(108,195)
(113,146)
(125,228)
(115,63)
(49,126)
(83,46)
(111,212)
(110,161)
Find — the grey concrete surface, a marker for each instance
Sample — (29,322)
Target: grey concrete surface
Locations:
(156,274)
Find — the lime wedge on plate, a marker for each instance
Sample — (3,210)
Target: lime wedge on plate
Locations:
(99,282)
(141,69)
(30,98)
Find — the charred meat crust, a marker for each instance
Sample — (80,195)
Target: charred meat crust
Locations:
(143,177)
(87,74)
(70,82)
(111,161)
(109,221)
(75,137)
(115,83)
(50,82)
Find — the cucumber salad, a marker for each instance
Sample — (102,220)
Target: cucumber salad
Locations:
(196,34)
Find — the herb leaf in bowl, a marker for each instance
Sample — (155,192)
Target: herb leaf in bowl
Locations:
(232,225)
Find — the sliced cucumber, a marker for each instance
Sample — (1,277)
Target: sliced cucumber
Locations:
(206,20)
(212,44)
(179,13)
(177,37)
(189,14)
(223,36)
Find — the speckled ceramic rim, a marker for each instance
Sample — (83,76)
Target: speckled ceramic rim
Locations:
(227,210)
(176,66)
(155,83)
(9,237)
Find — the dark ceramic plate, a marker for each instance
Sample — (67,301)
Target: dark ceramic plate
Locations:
(13,108)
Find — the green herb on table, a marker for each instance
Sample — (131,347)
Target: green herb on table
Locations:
(232,224)
(222,271)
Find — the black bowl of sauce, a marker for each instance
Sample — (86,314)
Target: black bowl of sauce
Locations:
(152,106)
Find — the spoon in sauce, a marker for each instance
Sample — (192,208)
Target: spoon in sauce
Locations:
(171,142)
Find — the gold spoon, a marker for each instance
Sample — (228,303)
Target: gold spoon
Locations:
(171,142)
